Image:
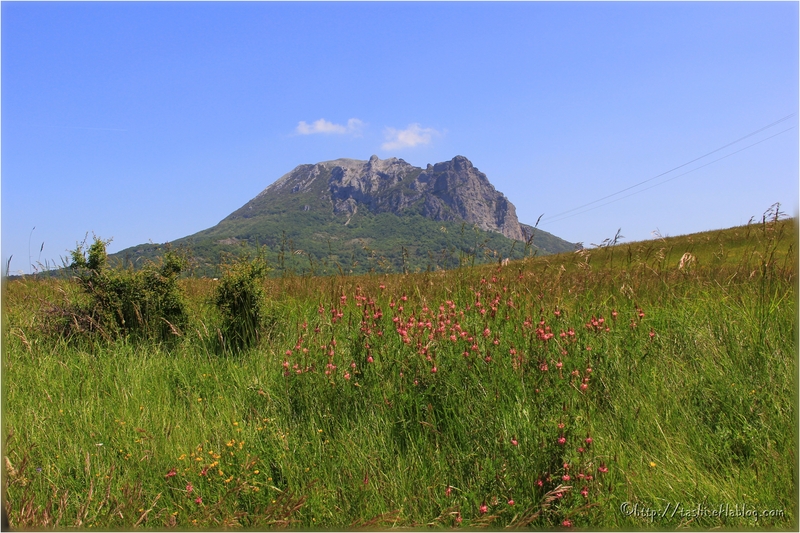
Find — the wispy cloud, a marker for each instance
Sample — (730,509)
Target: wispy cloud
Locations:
(353,127)
(412,136)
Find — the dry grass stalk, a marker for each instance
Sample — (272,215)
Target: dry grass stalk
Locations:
(530,515)
(175,331)
(686,261)
(386,520)
(144,514)
(23,338)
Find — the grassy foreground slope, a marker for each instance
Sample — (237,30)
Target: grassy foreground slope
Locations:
(647,385)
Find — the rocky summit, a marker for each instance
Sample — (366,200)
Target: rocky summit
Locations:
(451,191)
(379,215)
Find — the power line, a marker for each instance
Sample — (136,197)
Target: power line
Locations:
(563,216)
(552,218)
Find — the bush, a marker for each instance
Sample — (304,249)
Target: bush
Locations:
(240,299)
(123,302)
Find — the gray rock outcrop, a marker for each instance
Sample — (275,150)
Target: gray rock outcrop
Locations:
(449,191)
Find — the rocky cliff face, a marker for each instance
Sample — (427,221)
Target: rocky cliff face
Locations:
(450,191)
(456,189)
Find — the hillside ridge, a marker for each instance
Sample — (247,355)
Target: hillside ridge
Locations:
(373,211)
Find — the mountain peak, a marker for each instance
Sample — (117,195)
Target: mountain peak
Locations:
(449,191)
(369,210)
(459,163)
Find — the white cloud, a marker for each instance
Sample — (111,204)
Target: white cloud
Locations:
(413,135)
(353,126)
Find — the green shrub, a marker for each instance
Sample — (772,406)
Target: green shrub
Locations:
(124,302)
(240,299)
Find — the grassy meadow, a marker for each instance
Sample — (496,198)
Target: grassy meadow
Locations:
(646,386)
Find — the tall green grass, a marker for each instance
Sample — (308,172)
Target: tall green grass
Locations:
(336,418)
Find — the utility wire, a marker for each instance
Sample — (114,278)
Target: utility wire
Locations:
(552,218)
(563,216)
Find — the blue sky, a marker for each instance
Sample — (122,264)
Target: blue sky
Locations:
(152,121)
